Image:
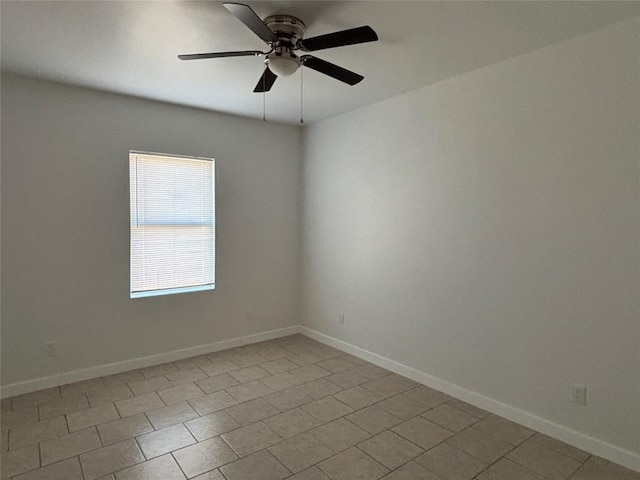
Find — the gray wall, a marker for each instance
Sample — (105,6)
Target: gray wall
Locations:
(484,230)
(65,228)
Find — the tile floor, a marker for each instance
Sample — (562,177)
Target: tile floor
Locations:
(287,408)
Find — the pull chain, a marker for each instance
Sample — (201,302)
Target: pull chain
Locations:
(264,93)
(301,97)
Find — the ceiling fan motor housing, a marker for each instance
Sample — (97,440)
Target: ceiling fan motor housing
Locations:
(289,30)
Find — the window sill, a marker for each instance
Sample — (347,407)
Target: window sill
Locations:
(171,291)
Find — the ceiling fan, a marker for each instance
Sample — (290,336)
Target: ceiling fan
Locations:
(283,34)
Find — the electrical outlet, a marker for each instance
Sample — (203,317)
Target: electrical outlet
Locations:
(341,319)
(51,349)
(579,394)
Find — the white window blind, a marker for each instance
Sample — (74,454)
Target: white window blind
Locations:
(172,224)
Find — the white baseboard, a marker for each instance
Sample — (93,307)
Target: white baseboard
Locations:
(28,386)
(580,440)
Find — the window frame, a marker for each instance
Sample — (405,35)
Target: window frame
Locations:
(172,290)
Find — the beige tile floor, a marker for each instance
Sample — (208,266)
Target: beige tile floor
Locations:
(287,408)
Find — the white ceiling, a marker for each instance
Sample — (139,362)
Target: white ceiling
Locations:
(130,47)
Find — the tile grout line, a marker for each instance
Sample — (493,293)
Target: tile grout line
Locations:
(559,453)
(81,468)
(178,464)
(529,469)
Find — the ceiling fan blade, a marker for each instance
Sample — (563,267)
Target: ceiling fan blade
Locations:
(246,15)
(339,73)
(266,81)
(339,39)
(201,56)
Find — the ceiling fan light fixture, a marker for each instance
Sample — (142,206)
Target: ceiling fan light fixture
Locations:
(283,65)
(284,34)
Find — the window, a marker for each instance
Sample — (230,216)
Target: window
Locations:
(172,224)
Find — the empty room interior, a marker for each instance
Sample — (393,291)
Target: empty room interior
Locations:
(320,240)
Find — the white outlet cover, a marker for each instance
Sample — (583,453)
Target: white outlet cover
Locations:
(579,394)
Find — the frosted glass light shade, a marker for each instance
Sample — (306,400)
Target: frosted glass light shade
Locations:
(283,66)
